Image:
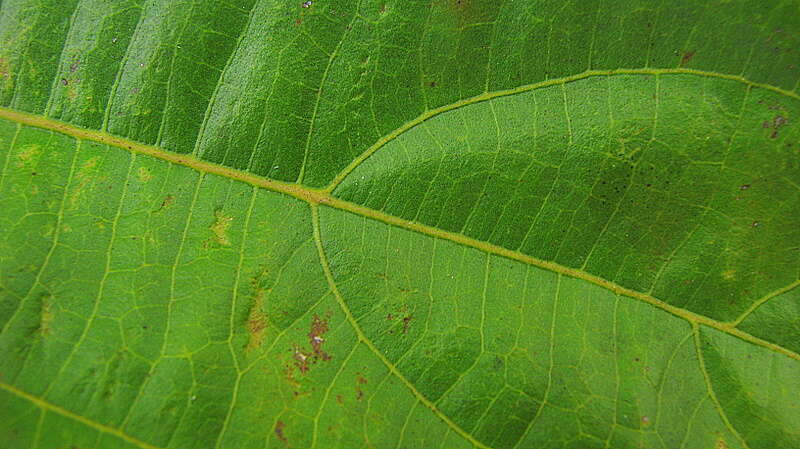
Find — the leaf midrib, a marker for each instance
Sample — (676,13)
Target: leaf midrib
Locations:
(316,196)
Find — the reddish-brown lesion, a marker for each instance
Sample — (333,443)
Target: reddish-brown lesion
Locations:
(304,358)
(687,57)
(279,432)
(319,327)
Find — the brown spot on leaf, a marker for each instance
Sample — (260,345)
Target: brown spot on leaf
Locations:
(777,122)
(303,358)
(406,323)
(256,321)
(687,57)
(169,200)
(279,428)
(319,327)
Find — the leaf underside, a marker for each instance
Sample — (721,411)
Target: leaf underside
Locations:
(399,224)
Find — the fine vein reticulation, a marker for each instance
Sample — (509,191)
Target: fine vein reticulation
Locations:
(325,197)
(317,198)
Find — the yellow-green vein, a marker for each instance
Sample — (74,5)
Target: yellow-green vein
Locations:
(529,87)
(321,197)
(44,405)
(709,386)
(368,343)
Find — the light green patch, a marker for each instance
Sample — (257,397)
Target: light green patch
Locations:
(256,322)
(220,228)
(46,316)
(144,174)
(28,155)
(83,177)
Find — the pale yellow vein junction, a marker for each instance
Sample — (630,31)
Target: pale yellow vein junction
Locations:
(317,197)
(324,197)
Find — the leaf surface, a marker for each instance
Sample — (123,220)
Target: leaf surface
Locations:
(403,224)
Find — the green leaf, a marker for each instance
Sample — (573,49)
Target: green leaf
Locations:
(399,224)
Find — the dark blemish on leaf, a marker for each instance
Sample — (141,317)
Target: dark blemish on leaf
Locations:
(74,66)
(636,359)
(744,186)
(339,399)
(307,4)
(406,322)
(301,360)
(774,134)
(687,57)
(169,200)
(361,379)
(756,224)
(64,82)
(497,364)
(390,317)
(319,327)
(304,359)
(766,125)
(432,84)
(645,420)
(279,427)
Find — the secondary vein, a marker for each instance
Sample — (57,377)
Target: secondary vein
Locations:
(368,343)
(316,197)
(45,405)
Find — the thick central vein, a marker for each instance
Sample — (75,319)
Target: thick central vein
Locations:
(324,197)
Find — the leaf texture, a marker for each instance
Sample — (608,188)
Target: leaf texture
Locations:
(399,224)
